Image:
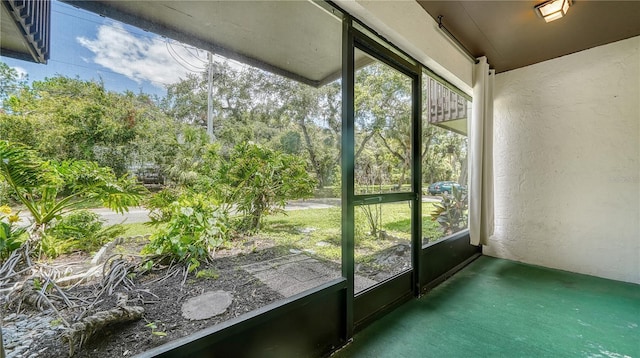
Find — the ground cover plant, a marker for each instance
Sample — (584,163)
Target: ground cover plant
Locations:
(80,230)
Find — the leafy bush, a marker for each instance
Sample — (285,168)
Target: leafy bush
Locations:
(11,237)
(196,228)
(159,204)
(452,213)
(259,181)
(81,230)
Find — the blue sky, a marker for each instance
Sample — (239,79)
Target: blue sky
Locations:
(124,57)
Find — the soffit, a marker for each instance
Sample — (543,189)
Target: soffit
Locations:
(511,35)
(298,39)
(12,40)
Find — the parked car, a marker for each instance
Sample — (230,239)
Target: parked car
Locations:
(444,187)
(151,178)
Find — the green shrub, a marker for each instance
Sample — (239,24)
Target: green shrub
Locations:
(5,193)
(11,237)
(196,228)
(49,189)
(452,213)
(81,230)
(259,181)
(159,204)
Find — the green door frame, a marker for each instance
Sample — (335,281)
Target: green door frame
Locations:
(367,305)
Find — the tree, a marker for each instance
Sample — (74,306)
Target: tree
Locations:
(317,113)
(383,122)
(66,118)
(243,97)
(384,131)
(11,82)
(191,146)
(446,157)
(253,105)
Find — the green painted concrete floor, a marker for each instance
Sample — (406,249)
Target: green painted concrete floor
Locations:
(500,308)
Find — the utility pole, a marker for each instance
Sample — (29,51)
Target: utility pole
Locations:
(210,99)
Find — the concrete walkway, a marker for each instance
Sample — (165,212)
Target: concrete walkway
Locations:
(295,273)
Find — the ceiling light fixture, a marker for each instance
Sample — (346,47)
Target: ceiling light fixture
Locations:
(553,9)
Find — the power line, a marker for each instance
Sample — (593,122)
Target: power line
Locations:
(170,47)
(182,58)
(147,34)
(152,36)
(196,56)
(142,32)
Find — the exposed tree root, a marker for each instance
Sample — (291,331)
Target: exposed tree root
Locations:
(27,282)
(80,332)
(39,299)
(116,275)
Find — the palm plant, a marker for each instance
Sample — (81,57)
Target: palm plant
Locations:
(49,189)
(452,213)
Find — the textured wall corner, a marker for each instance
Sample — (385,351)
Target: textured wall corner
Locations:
(567,163)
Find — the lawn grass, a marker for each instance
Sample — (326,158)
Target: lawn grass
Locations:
(139,229)
(318,231)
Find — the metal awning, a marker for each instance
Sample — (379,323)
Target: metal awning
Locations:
(446,107)
(24,29)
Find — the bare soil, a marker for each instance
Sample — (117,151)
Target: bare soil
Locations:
(162,299)
(162,292)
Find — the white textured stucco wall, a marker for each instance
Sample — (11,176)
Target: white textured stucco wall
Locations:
(567,163)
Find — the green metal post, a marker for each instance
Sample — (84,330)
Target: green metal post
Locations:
(416,153)
(348,143)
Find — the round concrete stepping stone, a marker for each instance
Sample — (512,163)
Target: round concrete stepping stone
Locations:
(207,305)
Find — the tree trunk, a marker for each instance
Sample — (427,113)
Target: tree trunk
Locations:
(464,171)
(82,331)
(312,153)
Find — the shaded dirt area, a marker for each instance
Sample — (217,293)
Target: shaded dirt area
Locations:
(162,297)
(162,292)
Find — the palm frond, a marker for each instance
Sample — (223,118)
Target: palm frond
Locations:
(20,166)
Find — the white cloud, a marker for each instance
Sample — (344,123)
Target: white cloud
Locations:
(22,73)
(142,58)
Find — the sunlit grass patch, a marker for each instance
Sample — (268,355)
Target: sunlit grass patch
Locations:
(318,231)
(135,229)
